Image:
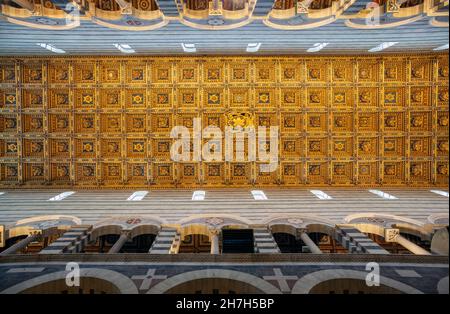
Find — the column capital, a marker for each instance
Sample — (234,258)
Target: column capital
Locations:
(391,234)
(214,231)
(302,230)
(125,233)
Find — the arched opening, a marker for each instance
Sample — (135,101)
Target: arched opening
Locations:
(235,281)
(195,243)
(391,247)
(413,238)
(102,240)
(288,243)
(396,248)
(92,280)
(416,239)
(326,243)
(88,285)
(350,286)
(214,286)
(11,241)
(35,246)
(238,241)
(345,281)
(138,244)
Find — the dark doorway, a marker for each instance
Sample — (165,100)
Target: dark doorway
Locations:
(139,244)
(287,243)
(237,241)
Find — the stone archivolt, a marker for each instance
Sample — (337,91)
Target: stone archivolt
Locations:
(106,122)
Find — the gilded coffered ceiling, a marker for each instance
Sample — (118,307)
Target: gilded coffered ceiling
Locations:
(106,122)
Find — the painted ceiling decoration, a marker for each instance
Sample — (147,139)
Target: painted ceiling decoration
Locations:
(224,14)
(106,121)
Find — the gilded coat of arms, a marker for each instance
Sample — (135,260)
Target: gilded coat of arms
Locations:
(240,121)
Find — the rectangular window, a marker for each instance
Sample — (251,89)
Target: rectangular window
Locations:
(382,194)
(61,196)
(137,196)
(443,193)
(321,195)
(198,196)
(259,195)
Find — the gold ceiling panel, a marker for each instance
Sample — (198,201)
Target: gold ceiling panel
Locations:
(106,122)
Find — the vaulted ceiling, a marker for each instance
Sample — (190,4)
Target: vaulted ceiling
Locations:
(221,27)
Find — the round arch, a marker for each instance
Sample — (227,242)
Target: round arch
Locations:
(124,284)
(305,284)
(136,225)
(251,280)
(389,219)
(297,219)
(202,224)
(144,229)
(283,228)
(106,229)
(376,223)
(291,223)
(30,224)
(203,217)
(194,228)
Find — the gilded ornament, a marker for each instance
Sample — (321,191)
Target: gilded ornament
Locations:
(389,170)
(239,121)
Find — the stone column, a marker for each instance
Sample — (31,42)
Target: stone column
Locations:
(310,243)
(20,245)
(410,246)
(119,243)
(214,236)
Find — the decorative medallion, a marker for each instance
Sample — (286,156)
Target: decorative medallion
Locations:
(138,147)
(213,98)
(87,99)
(137,99)
(88,147)
(264,98)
